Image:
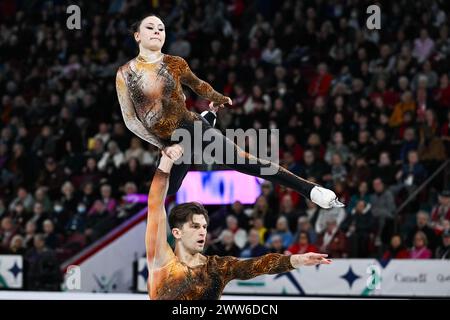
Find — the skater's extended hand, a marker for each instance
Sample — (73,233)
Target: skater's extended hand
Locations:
(215,107)
(309,259)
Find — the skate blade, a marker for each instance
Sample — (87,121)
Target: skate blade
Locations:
(336,204)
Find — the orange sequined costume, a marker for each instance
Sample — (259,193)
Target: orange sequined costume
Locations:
(152,100)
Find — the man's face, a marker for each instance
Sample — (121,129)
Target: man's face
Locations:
(308,157)
(277,243)
(30,227)
(377,185)
(253,237)
(444,201)
(422,220)
(38,208)
(38,243)
(287,203)
(409,135)
(237,206)
(384,159)
(6,224)
(412,157)
(193,234)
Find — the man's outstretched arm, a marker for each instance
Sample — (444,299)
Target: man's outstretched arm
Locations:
(272,263)
(158,250)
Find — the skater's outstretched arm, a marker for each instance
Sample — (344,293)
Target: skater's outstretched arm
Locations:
(158,250)
(129,114)
(271,263)
(200,87)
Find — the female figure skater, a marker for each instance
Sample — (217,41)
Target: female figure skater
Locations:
(153,107)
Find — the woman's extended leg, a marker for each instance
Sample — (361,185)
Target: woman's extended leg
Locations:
(321,196)
(312,191)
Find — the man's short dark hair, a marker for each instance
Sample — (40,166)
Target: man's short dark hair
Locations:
(183,213)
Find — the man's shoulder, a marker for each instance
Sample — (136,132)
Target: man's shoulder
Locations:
(220,260)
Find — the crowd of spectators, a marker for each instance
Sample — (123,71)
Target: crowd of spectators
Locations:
(363,112)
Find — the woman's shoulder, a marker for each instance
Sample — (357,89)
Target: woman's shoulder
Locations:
(126,65)
(169,57)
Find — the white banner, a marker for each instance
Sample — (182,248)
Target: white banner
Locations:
(11,272)
(142,272)
(111,268)
(347,277)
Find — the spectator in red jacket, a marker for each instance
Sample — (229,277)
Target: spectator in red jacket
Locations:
(290,144)
(321,82)
(442,94)
(302,245)
(333,241)
(396,250)
(441,211)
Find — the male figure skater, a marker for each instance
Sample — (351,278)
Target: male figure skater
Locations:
(186,273)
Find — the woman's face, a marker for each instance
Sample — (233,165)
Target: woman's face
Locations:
(17,243)
(363,188)
(258,223)
(303,239)
(151,34)
(418,241)
(396,242)
(261,203)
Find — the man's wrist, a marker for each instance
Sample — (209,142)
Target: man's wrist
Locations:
(295,261)
(165,164)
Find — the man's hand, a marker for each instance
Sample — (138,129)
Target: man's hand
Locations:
(169,155)
(174,152)
(309,259)
(215,107)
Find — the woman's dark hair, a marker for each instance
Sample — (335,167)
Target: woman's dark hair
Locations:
(135,25)
(183,213)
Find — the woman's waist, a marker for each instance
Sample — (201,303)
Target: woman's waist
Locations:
(166,125)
